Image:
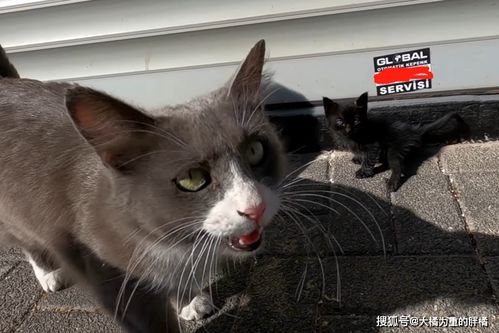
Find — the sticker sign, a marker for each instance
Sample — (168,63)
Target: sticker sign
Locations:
(403,72)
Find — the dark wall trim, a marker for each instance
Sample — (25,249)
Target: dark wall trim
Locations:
(311,104)
(307,132)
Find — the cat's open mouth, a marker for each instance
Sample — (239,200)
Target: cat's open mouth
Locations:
(249,242)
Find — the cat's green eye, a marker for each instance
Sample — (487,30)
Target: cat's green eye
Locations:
(194,180)
(255,152)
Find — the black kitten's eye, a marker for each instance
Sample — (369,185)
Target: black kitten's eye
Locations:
(339,122)
(356,122)
(194,180)
(255,152)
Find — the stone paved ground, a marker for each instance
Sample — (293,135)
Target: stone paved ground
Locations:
(429,250)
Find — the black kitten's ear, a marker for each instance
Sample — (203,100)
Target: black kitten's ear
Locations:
(330,107)
(362,101)
(246,83)
(118,132)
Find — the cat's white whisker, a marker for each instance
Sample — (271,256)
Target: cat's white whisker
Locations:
(377,204)
(301,283)
(300,226)
(131,267)
(316,223)
(259,105)
(197,241)
(358,202)
(339,204)
(282,183)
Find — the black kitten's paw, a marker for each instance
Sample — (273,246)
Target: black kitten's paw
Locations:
(392,185)
(364,173)
(357,160)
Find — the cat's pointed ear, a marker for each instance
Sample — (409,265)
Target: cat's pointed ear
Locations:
(246,83)
(118,132)
(362,102)
(330,107)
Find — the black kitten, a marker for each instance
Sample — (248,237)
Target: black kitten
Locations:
(375,139)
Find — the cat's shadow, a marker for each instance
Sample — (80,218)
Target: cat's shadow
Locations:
(412,162)
(427,271)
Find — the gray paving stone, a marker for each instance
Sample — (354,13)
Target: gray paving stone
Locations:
(341,212)
(414,285)
(73,298)
(299,236)
(269,305)
(362,204)
(370,286)
(228,295)
(327,234)
(491,265)
(478,195)
(68,322)
(11,254)
(317,170)
(263,298)
(426,216)
(5,267)
(363,219)
(297,320)
(308,174)
(312,235)
(19,293)
(342,171)
(350,324)
(464,158)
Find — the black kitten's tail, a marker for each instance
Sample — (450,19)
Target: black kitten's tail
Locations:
(449,128)
(6,68)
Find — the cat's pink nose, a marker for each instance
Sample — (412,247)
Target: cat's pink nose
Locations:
(254,213)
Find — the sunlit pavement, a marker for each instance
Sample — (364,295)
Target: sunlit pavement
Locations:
(345,257)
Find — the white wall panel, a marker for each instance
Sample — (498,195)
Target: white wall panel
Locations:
(420,25)
(156,51)
(310,78)
(8,6)
(108,20)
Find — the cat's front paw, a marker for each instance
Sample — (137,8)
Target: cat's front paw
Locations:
(357,160)
(200,307)
(361,173)
(392,185)
(52,281)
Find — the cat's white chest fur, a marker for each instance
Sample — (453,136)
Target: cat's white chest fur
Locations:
(226,219)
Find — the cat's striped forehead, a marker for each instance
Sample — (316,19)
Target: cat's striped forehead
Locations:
(211,126)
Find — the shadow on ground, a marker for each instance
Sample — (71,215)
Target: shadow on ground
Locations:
(304,282)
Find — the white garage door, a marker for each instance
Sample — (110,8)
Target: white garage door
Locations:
(156,52)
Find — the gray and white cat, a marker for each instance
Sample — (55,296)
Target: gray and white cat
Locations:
(124,200)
